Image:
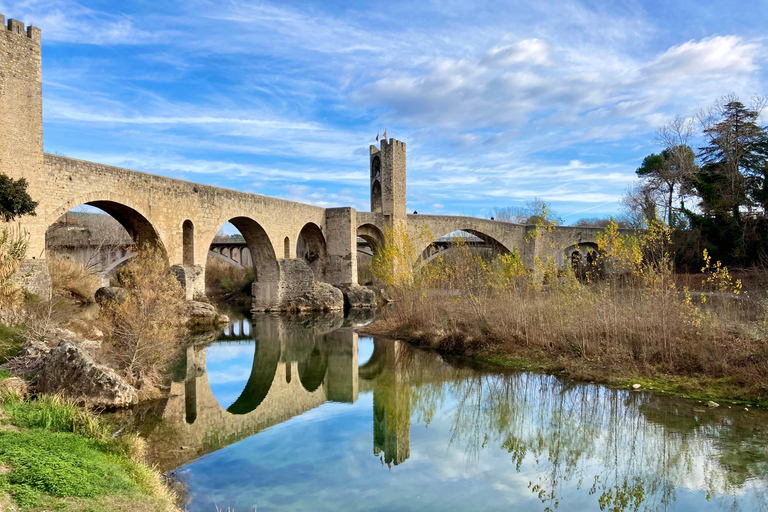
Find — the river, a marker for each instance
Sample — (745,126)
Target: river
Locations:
(292,414)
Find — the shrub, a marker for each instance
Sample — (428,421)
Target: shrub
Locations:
(70,278)
(13,250)
(143,331)
(222,278)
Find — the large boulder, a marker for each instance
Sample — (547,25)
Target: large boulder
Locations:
(202,313)
(322,297)
(71,372)
(107,294)
(356,296)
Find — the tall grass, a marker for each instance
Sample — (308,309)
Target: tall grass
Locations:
(13,250)
(221,278)
(70,278)
(625,314)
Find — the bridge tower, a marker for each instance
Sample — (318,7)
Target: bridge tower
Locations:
(387,165)
(21,134)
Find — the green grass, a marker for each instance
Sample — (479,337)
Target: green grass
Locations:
(11,341)
(55,414)
(63,457)
(62,465)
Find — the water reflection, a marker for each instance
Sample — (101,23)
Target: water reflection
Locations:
(334,410)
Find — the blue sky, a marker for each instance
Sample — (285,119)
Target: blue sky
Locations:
(497,102)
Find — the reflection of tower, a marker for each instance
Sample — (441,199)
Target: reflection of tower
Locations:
(388,179)
(392,422)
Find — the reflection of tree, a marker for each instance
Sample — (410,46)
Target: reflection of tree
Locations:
(630,449)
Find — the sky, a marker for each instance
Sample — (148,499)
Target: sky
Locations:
(498,102)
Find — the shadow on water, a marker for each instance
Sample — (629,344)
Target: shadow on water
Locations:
(547,443)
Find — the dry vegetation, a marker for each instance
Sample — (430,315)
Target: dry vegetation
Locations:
(143,330)
(625,318)
(70,279)
(223,279)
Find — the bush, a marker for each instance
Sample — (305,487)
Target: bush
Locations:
(13,250)
(143,331)
(71,279)
(221,278)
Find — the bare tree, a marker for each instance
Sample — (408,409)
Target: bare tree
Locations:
(639,205)
(528,213)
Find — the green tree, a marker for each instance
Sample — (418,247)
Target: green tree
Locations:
(14,199)
(733,182)
(735,159)
(670,173)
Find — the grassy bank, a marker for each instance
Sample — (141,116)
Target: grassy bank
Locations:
(57,456)
(622,320)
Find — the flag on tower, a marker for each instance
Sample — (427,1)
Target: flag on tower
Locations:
(377,136)
(385,134)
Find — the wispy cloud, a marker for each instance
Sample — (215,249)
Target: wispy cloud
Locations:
(497,102)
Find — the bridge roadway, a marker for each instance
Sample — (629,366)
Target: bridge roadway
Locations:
(181,218)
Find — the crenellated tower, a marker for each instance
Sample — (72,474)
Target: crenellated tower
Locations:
(21,101)
(387,165)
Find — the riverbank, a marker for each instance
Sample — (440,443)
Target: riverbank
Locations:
(55,455)
(714,351)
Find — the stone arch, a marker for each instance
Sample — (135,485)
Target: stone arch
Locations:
(310,246)
(312,368)
(377,362)
(578,255)
(129,216)
(376,204)
(372,235)
(287,248)
(263,257)
(266,358)
(188,243)
(425,256)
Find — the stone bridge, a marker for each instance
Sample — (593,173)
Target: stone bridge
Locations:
(296,369)
(181,219)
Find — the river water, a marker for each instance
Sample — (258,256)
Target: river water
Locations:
(280,414)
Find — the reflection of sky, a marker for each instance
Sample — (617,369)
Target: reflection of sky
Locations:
(323,460)
(228,366)
(364,349)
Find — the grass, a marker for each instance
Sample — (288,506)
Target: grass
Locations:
(11,341)
(70,279)
(62,457)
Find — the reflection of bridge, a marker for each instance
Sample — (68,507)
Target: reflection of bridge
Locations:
(296,367)
(181,219)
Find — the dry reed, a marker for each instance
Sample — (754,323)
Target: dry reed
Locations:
(625,316)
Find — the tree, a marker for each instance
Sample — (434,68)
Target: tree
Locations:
(14,199)
(671,172)
(639,205)
(531,212)
(735,158)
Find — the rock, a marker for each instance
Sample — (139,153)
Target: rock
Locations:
(356,296)
(70,371)
(202,313)
(201,310)
(636,386)
(34,348)
(13,386)
(107,294)
(712,404)
(323,297)
(327,297)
